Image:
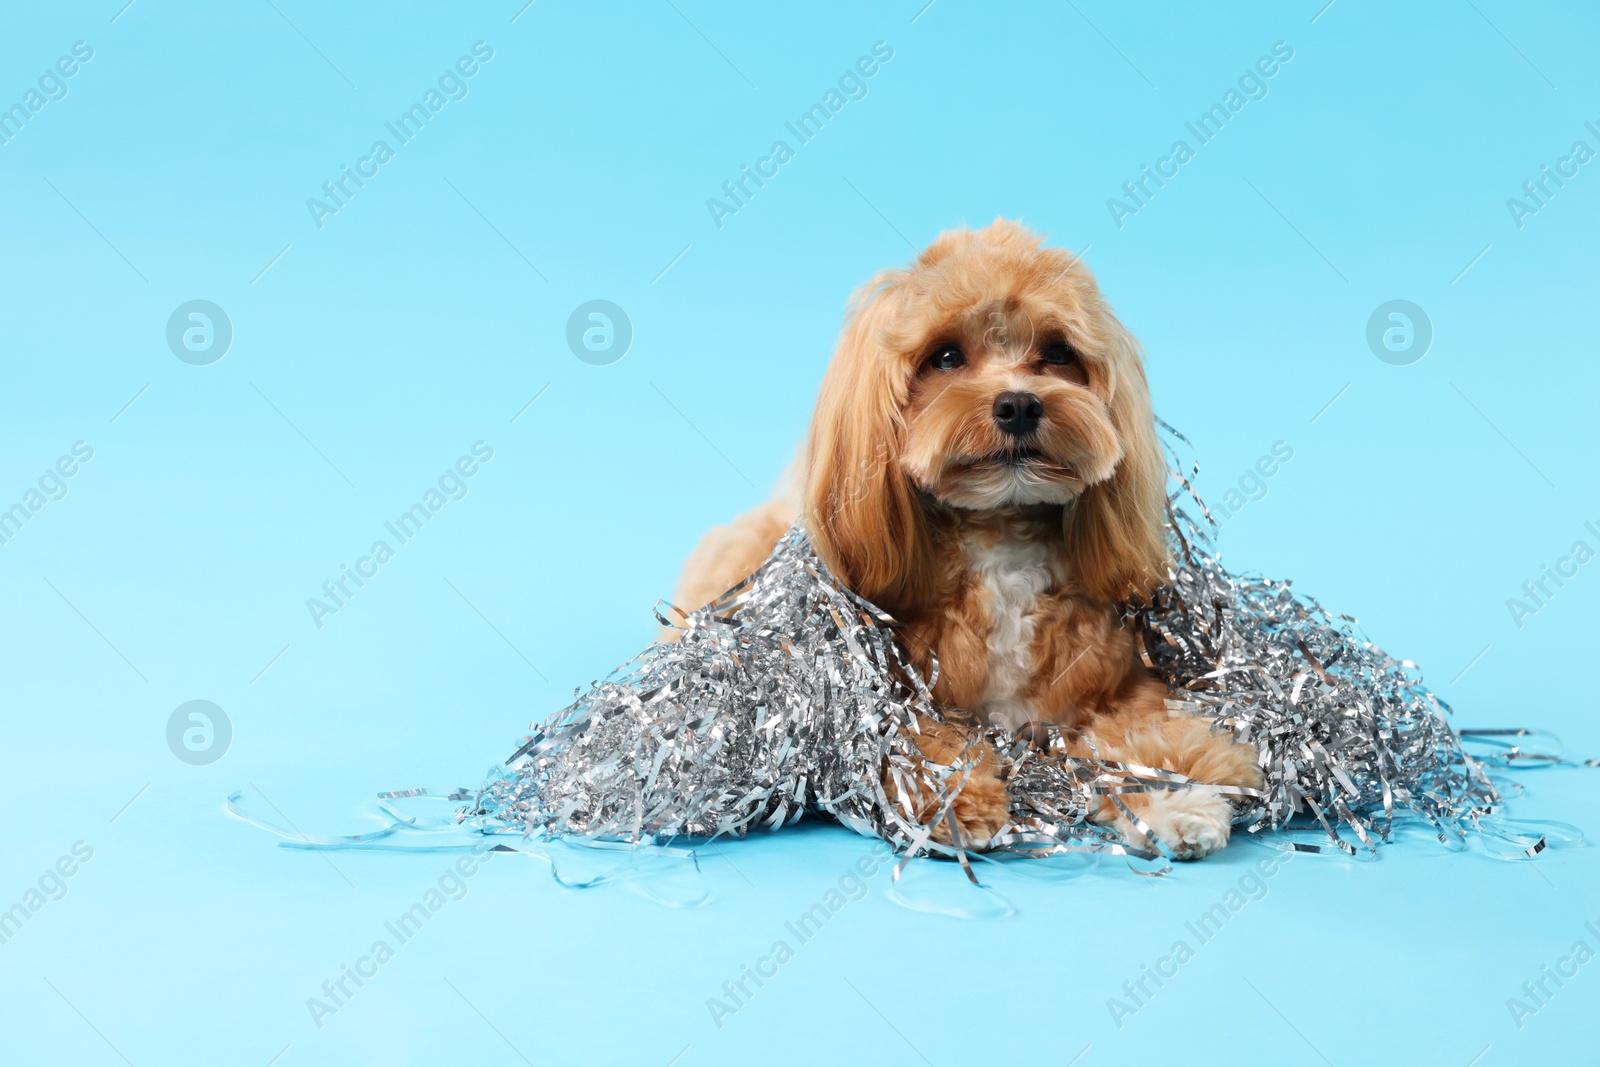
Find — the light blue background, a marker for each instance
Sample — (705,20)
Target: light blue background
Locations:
(432,308)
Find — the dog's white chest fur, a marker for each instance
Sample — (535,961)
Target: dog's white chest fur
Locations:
(1014,573)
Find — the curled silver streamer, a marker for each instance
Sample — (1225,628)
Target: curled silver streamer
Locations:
(790,694)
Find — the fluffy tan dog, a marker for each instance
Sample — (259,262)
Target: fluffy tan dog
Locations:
(983,465)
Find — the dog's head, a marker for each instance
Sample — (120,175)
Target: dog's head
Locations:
(988,375)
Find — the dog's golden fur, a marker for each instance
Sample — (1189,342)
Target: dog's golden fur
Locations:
(1003,543)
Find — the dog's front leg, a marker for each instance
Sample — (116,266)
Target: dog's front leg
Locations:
(981,805)
(1191,822)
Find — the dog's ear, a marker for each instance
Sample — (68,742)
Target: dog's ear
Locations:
(1116,531)
(862,511)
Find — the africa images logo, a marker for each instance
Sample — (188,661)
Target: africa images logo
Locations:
(852,85)
(452,85)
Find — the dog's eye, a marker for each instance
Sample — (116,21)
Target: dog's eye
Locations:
(1059,354)
(947,357)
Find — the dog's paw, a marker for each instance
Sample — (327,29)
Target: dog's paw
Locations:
(982,810)
(1191,824)
(965,765)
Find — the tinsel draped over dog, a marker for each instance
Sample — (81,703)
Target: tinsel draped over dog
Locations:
(790,694)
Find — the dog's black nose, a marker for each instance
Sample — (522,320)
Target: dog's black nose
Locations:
(1018,414)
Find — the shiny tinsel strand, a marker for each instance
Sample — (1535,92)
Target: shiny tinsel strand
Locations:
(790,695)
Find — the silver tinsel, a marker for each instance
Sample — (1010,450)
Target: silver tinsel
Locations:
(791,695)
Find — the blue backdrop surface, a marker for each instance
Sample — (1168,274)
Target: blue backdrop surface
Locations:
(392,212)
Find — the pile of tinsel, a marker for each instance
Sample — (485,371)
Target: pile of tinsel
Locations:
(790,695)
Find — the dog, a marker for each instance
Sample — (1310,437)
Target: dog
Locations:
(983,465)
